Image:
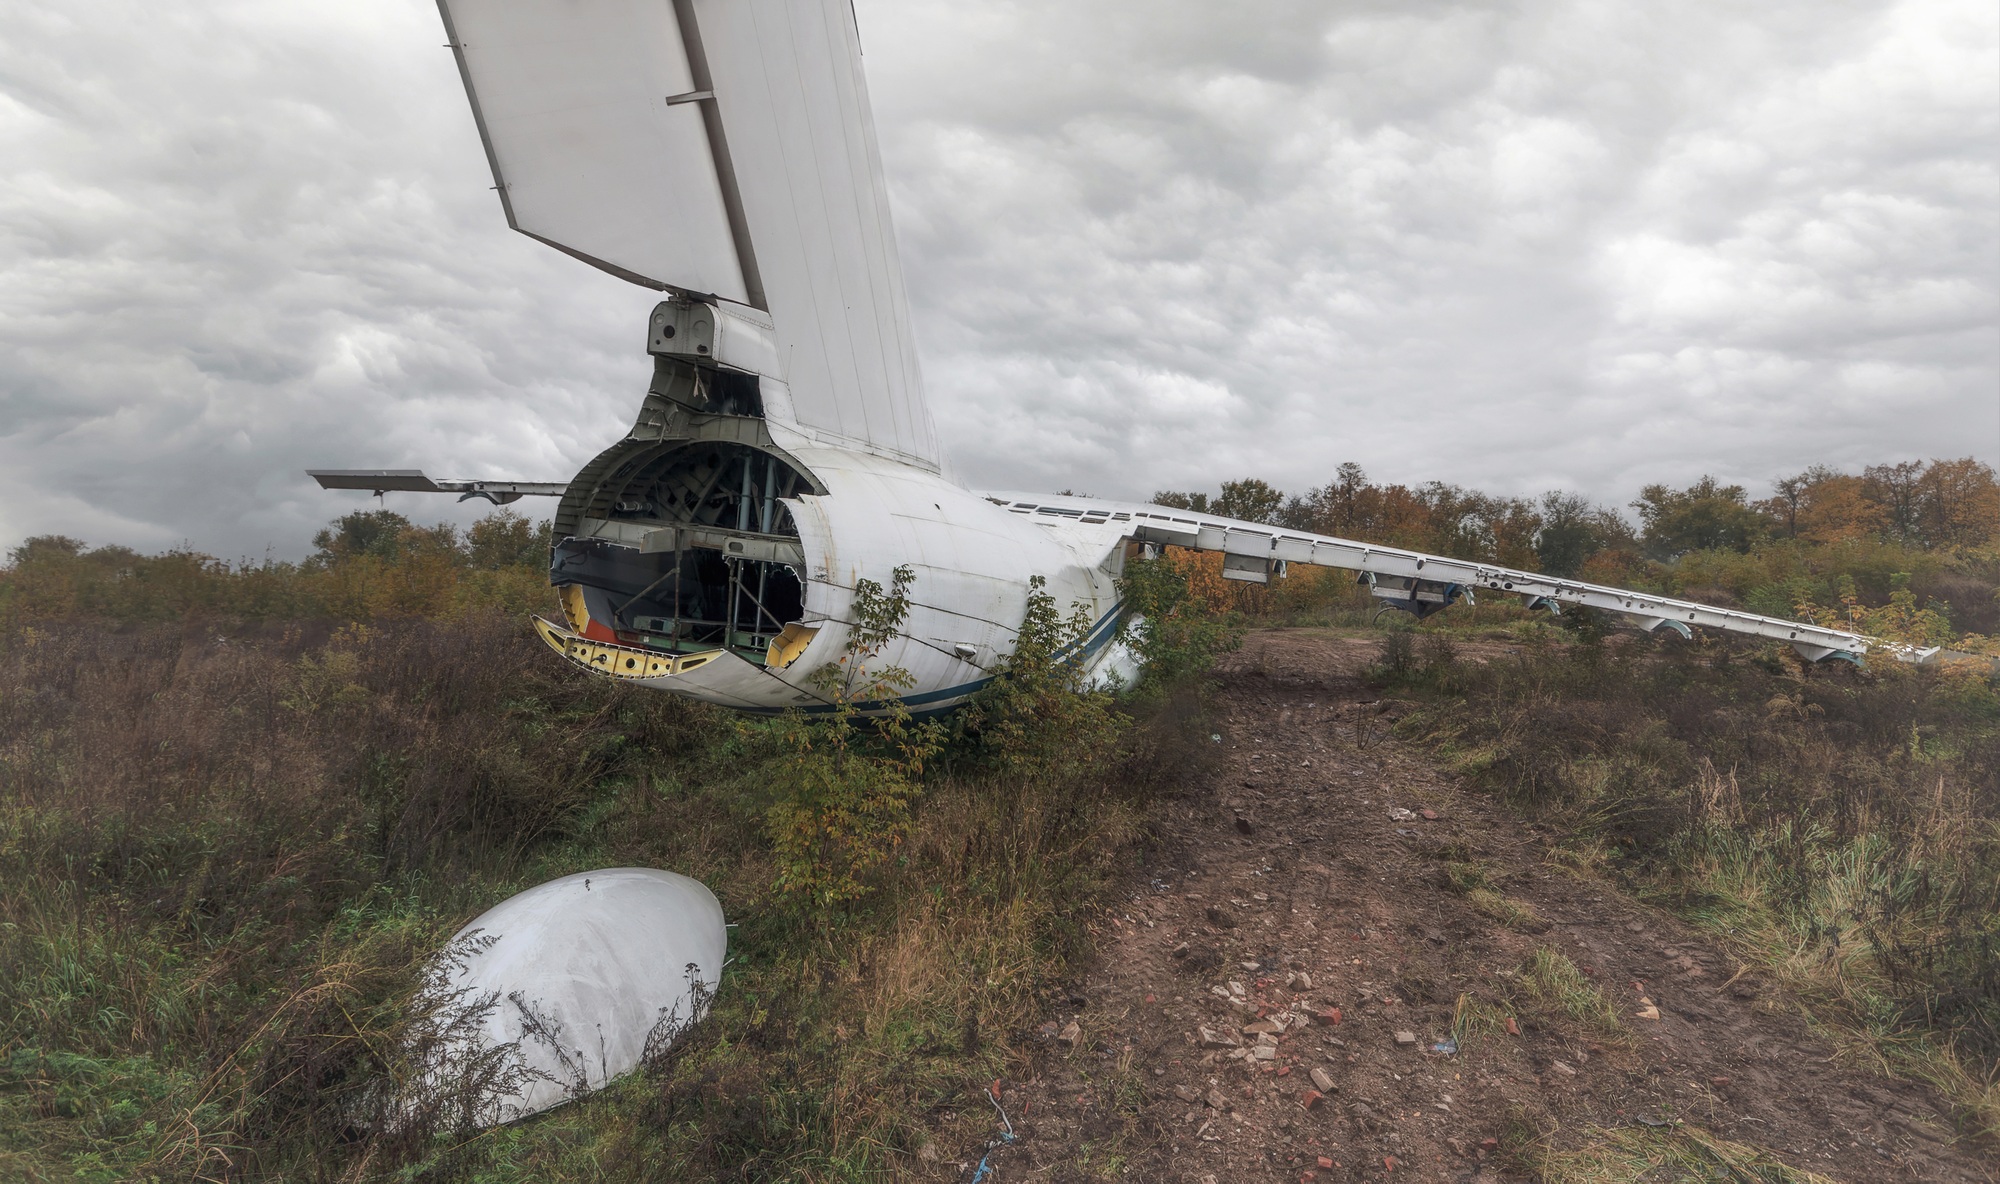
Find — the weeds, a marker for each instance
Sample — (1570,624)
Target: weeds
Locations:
(227,855)
(1551,984)
(1840,828)
(1469,880)
(1671,1151)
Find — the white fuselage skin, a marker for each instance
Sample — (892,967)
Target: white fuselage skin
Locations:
(972,563)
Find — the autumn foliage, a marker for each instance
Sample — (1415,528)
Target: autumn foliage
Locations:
(367,566)
(1909,551)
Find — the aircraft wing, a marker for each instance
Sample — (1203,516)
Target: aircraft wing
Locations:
(380,481)
(720,149)
(1422,584)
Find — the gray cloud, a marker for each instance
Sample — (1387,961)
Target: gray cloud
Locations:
(1149,246)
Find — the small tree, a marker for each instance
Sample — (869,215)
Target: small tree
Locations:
(1039,714)
(852,788)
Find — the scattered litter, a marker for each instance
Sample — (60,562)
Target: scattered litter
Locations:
(1513,1029)
(1006,1136)
(1447,1046)
(1398,814)
(1650,1120)
(1430,815)
(1071,1034)
(1562,1068)
(1647,1010)
(1215,737)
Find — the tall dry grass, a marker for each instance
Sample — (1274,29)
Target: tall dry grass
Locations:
(225,857)
(1841,827)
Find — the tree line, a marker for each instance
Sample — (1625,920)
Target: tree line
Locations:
(1920,536)
(1825,541)
(1935,504)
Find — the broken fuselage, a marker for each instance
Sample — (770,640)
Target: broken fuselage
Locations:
(715,552)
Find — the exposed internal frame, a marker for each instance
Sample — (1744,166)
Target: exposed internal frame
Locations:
(684,546)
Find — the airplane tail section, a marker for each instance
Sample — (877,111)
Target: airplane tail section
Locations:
(717,149)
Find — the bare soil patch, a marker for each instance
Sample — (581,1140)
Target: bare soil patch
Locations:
(1331,891)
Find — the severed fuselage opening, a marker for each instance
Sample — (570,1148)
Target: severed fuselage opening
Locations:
(683,547)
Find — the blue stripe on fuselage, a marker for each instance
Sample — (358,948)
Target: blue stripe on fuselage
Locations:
(947,698)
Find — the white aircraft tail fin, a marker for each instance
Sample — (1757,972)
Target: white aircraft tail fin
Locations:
(715,148)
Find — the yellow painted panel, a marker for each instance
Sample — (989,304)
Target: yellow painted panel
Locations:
(573,607)
(788,645)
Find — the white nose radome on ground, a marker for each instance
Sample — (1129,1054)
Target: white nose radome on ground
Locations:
(584,977)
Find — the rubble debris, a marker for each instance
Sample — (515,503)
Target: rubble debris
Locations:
(1071,1034)
(1647,1009)
(1322,1080)
(1216,1101)
(1406,1036)
(1211,1038)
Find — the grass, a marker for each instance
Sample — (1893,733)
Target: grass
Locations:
(1469,880)
(224,859)
(1658,1155)
(1838,829)
(1549,982)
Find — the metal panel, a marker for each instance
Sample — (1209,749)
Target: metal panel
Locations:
(1248,542)
(616,962)
(714,146)
(587,151)
(789,90)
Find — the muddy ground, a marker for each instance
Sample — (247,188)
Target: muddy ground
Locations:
(1306,889)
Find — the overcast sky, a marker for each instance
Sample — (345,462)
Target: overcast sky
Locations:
(1151,244)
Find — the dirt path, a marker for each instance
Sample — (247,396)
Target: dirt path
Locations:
(1286,894)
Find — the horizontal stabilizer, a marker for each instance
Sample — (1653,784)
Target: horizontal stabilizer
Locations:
(380,481)
(1422,584)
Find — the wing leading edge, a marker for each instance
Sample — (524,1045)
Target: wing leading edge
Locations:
(1422,583)
(719,149)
